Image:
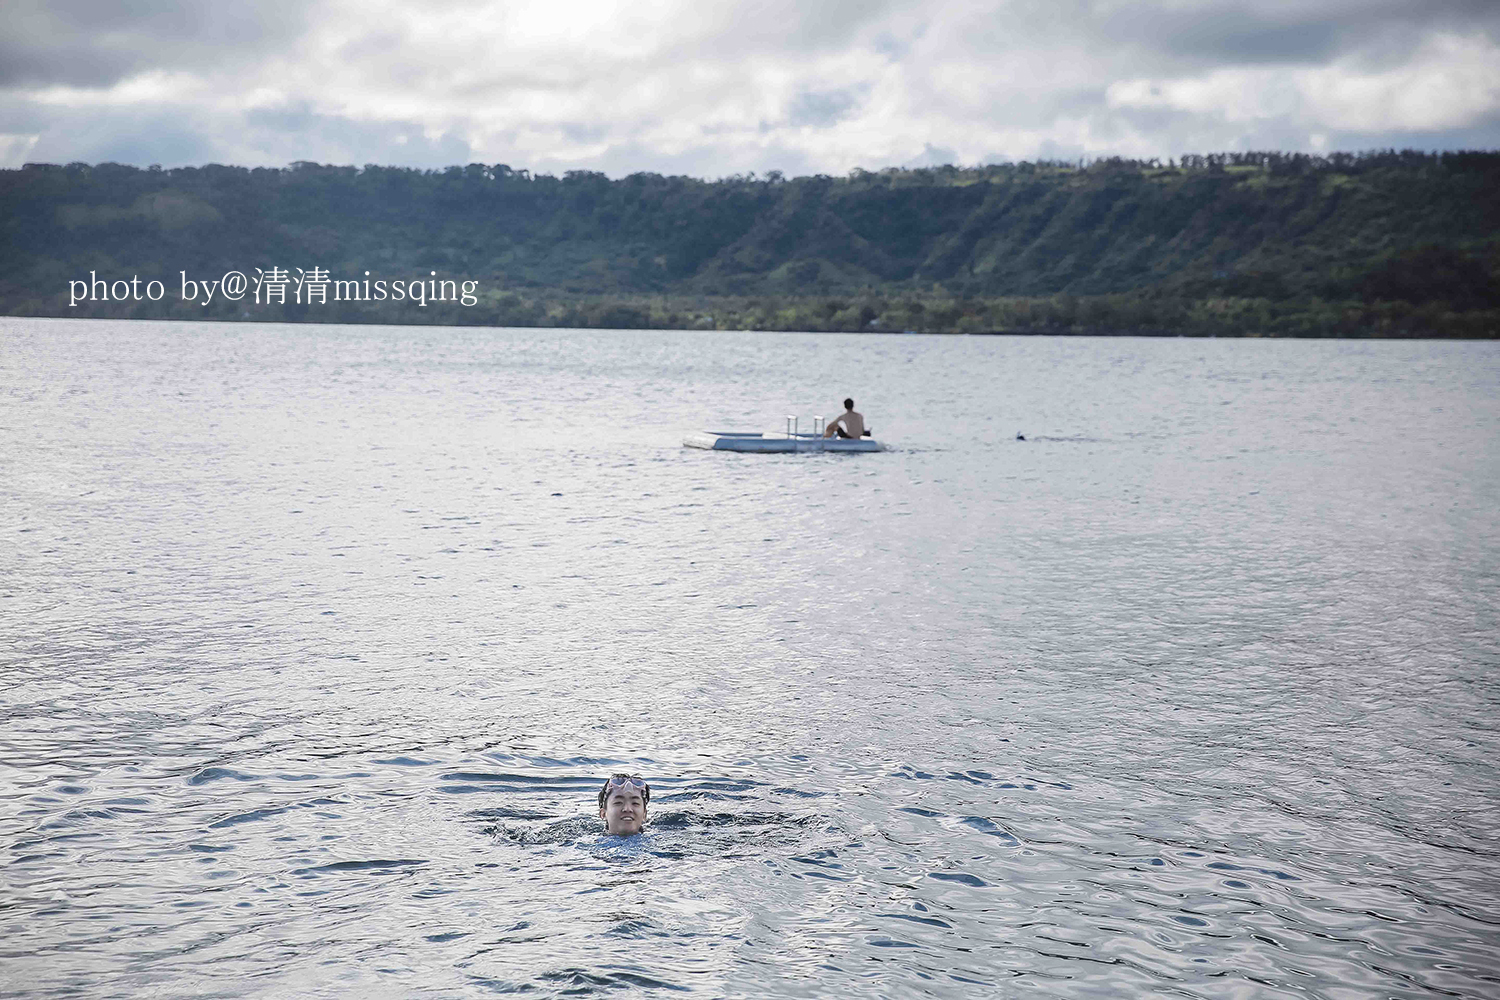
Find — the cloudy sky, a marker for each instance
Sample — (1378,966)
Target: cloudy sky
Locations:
(716,88)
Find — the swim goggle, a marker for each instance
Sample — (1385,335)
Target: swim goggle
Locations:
(633,779)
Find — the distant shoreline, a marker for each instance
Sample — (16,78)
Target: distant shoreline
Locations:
(1493,332)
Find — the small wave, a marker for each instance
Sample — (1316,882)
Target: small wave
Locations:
(255,815)
(359,866)
(581,981)
(559,834)
(989,828)
(974,777)
(691,820)
(961,877)
(503,813)
(718,788)
(208,774)
(674,833)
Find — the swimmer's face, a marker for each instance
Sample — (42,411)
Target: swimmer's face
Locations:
(624,811)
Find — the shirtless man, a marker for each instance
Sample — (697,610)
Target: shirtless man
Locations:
(853,424)
(622,804)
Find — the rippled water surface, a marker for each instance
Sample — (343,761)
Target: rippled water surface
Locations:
(317,642)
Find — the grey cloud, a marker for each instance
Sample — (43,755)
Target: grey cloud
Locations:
(584,132)
(892,47)
(23,117)
(931,156)
(1484,134)
(821,109)
(184,136)
(1243,39)
(1051,149)
(1250,32)
(798,26)
(298,133)
(154,134)
(95,43)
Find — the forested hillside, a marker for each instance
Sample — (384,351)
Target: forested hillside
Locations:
(1371,244)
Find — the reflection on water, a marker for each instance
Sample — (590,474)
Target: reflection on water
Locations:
(320,641)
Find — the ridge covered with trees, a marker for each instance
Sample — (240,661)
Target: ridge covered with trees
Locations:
(1372,244)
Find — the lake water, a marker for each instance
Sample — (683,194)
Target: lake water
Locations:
(317,643)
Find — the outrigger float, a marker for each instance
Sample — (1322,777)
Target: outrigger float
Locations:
(792,440)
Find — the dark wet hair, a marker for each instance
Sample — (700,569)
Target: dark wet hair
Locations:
(848,404)
(604,792)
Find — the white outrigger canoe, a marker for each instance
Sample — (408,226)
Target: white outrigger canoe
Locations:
(792,441)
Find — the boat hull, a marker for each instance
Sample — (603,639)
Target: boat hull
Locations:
(775,444)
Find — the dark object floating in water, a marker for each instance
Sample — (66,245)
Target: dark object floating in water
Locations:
(1020,437)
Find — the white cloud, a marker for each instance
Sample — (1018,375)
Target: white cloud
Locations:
(1453,81)
(14,149)
(1450,82)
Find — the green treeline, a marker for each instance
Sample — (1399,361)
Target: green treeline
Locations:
(1373,244)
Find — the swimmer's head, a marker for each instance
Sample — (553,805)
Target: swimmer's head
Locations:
(622,804)
(848,404)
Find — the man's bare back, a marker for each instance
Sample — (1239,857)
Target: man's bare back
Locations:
(847,424)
